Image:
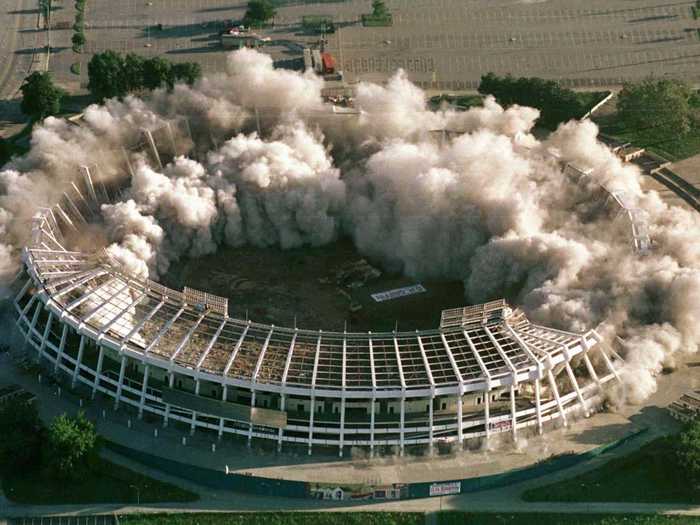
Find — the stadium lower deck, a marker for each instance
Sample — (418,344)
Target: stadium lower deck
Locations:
(179,356)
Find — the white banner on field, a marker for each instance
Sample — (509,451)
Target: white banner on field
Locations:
(443,489)
(398,292)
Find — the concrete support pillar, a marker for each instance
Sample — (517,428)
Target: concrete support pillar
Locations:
(402,421)
(513,412)
(144,386)
(280,431)
(45,336)
(76,370)
(555,391)
(579,394)
(460,408)
(342,425)
(35,319)
(166,416)
(250,424)
(371,427)
(431,422)
(311,420)
(487,414)
(193,422)
(224,393)
(591,371)
(120,382)
(98,371)
(609,364)
(538,405)
(61,348)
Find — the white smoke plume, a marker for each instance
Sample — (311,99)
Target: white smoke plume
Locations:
(488,203)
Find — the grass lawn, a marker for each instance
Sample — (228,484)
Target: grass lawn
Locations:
(279,518)
(105,483)
(459,518)
(672,147)
(649,474)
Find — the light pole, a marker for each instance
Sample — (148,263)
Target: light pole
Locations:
(138,494)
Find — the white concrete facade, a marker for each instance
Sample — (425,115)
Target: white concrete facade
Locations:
(486,370)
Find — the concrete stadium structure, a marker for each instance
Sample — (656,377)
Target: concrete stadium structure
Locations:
(178,355)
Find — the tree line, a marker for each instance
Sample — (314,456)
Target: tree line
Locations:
(651,106)
(112,74)
(556,104)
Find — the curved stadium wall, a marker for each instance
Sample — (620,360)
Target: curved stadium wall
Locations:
(179,356)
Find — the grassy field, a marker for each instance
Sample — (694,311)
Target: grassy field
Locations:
(105,483)
(670,146)
(459,518)
(649,474)
(279,518)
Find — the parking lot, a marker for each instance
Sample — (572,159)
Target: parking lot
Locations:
(442,44)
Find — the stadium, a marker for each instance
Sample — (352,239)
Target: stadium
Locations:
(179,357)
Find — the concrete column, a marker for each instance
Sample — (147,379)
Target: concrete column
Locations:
(98,371)
(193,422)
(371,427)
(250,424)
(311,420)
(538,405)
(555,390)
(35,319)
(430,422)
(280,431)
(487,414)
(342,425)
(402,421)
(224,393)
(61,347)
(166,416)
(79,360)
(513,412)
(144,386)
(460,407)
(45,336)
(120,383)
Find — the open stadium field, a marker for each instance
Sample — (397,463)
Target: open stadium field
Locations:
(307,286)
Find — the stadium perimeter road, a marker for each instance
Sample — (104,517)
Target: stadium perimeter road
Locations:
(442,44)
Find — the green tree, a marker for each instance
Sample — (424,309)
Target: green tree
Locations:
(187,72)
(22,436)
(259,12)
(656,106)
(106,77)
(555,103)
(379,9)
(72,445)
(40,97)
(78,40)
(133,71)
(156,72)
(688,452)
